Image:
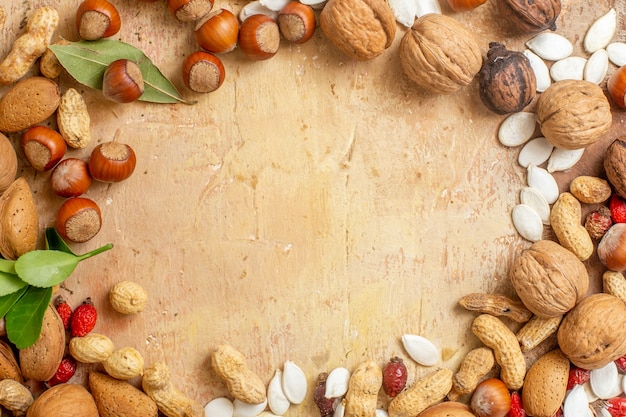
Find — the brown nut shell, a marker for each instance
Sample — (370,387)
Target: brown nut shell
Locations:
(440,54)
(41,360)
(19,222)
(67,400)
(549,279)
(573,114)
(119,398)
(530,16)
(447,409)
(615,165)
(545,384)
(361,29)
(8,163)
(9,368)
(594,332)
(30,101)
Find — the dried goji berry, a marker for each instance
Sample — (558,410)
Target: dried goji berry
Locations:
(67,369)
(577,376)
(516,410)
(64,310)
(83,319)
(616,406)
(617,205)
(598,222)
(621,363)
(394,376)
(325,405)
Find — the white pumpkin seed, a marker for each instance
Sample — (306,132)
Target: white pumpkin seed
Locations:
(596,67)
(563,159)
(420,349)
(617,53)
(276,398)
(529,196)
(381,413)
(404,11)
(575,403)
(427,6)
(241,409)
(255,7)
(550,46)
(340,410)
(337,383)
(623,383)
(294,382)
(591,397)
(601,32)
(517,129)
(527,222)
(539,67)
(219,407)
(315,4)
(536,151)
(606,382)
(570,68)
(544,182)
(274,5)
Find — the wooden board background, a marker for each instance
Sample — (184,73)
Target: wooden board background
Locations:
(313,209)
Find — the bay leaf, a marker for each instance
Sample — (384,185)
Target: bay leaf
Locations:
(86,61)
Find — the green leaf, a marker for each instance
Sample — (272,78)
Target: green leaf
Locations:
(7,266)
(86,61)
(7,301)
(54,241)
(9,283)
(24,320)
(46,268)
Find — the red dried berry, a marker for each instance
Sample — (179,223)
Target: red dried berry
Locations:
(516,410)
(577,376)
(617,205)
(83,319)
(64,310)
(616,406)
(67,369)
(325,405)
(394,376)
(598,222)
(621,363)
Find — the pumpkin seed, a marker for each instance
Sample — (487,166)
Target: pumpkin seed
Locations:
(539,67)
(601,32)
(536,151)
(570,68)
(517,129)
(404,11)
(575,404)
(255,7)
(550,46)
(617,53)
(274,5)
(276,399)
(596,67)
(294,382)
(219,407)
(241,409)
(426,7)
(563,159)
(529,196)
(337,383)
(420,349)
(544,182)
(605,382)
(527,222)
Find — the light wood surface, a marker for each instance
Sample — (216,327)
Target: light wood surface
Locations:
(313,209)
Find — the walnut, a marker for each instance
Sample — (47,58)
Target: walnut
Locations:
(530,16)
(507,81)
(440,54)
(549,279)
(362,29)
(573,114)
(615,165)
(594,332)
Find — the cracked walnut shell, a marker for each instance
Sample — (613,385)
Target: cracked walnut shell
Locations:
(440,54)
(361,29)
(573,114)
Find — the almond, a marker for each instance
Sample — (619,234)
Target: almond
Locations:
(29,102)
(545,384)
(119,398)
(41,360)
(19,223)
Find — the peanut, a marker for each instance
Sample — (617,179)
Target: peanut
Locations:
(30,45)
(157,384)
(536,331)
(363,387)
(124,363)
(614,283)
(242,383)
(496,335)
(49,64)
(128,297)
(476,364)
(497,305)
(15,397)
(590,190)
(91,348)
(566,221)
(423,393)
(73,119)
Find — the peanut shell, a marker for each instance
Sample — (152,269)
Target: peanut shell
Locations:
(590,190)
(566,221)
(614,283)
(19,223)
(545,384)
(41,360)
(73,119)
(119,398)
(423,393)
(91,348)
(363,387)
(67,400)
(30,101)
(231,365)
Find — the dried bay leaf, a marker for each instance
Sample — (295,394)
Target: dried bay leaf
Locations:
(86,61)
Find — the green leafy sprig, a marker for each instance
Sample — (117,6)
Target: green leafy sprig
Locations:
(86,61)
(26,286)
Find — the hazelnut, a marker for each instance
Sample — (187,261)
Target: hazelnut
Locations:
(203,72)
(97,19)
(296,22)
(123,81)
(259,37)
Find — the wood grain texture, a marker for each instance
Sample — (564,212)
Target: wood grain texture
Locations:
(313,209)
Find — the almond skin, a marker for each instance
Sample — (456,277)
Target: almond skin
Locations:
(545,384)
(19,222)
(119,398)
(29,102)
(41,360)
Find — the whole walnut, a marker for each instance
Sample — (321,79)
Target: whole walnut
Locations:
(549,279)
(594,332)
(507,81)
(362,29)
(440,54)
(530,16)
(615,165)
(573,114)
